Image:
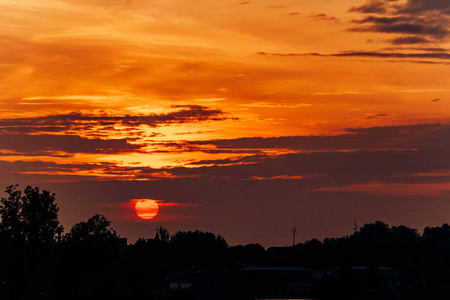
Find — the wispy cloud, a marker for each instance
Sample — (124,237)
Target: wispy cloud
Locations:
(416,21)
(382,138)
(84,121)
(277,105)
(438,56)
(411,22)
(38,145)
(324,17)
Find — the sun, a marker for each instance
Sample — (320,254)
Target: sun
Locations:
(146,208)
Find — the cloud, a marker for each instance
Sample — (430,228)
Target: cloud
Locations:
(370,7)
(437,56)
(411,22)
(441,7)
(324,17)
(426,49)
(402,25)
(335,168)
(277,105)
(37,145)
(410,40)
(393,154)
(77,121)
(417,21)
(388,137)
(377,116)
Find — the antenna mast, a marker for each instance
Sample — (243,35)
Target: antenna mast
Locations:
(294,231)
(355,229)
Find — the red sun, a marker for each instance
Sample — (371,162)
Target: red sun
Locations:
(146,208)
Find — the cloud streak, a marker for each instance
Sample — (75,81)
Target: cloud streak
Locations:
(389,137)
(417,21)
(435,57)
(396,154)
(52,145)
(76,120)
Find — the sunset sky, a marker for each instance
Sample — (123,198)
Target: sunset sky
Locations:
(240,118)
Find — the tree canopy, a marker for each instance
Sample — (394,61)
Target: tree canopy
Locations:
(31,215)
(95,229)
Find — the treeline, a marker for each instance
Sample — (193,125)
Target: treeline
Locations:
(39,261)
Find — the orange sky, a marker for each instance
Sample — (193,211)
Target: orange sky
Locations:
(162,91)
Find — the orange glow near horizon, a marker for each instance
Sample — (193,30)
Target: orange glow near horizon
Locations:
(146,208)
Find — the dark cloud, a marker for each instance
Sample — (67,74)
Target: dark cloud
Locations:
(333,168)
(80,121)
(311,170)
(41,166)
(323,17)
(376,116)
(410,40)
(390,137)
(229,161)
(290,54)
(414,22)
(425,49)
(35,145)
(403,25)
(438,55)
(371,7)
(436,100)
(424,62)
(375,54)
(442,7)
(378,154)
(418,21)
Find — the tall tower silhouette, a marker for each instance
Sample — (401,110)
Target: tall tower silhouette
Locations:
(294,231)
(355,229)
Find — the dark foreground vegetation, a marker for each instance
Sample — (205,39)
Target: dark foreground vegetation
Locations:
(90,261)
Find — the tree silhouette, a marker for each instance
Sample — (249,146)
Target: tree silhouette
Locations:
(250,253)
(88,257)
(10,210)
(404,235)
(95,229)
(40,214)
(203,249)
(32,216)
(28,228)
(162,234)
(377,232)
(437,235)
(89,263)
